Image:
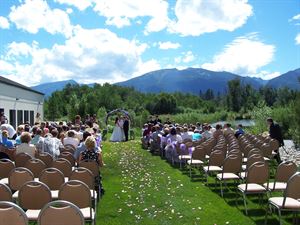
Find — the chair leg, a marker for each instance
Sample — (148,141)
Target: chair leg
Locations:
(267,213)
(221,188)
(279,216)
(245,203)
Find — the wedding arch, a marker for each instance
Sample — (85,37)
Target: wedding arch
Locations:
(115,111)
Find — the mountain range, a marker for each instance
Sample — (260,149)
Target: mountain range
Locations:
(191,80)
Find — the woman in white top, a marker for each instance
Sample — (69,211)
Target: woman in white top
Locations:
(173,140)
(71,139)
(25,146)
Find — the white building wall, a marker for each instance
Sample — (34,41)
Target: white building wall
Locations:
(15,98)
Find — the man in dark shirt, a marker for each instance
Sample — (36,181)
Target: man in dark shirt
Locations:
(275,133)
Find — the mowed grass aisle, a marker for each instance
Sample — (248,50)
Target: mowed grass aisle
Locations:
(144,189)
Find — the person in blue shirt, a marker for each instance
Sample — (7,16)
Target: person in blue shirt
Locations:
(197,136)
(239,131)
(5,142)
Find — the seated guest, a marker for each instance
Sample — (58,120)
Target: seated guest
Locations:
(12,134)
(38,139)
(146,136)
(197,136)
(5,142)
(186,134)
(71,139)
(92,153)
(155,139)
(81,148)
(173,141)
(51,144)
(20,130)
(218,131)
(239,131)
(25,146)
(168,121)
(157,120)
(227,129)
(206,132)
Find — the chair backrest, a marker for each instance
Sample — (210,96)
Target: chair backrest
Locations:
(19,176)
(266,149)
(5,193)
(91,165)
(69,156)
(36,166)
(254,151)
(34,195)
(274,144)
(61,212)
(199,153)
(253,159)
(293,187)
(6,166)
(21,159)
(285,170)
(63,165)
(76,192)
(45,157)
(52,177)
(68,148)
(12,214)
(232,164)
(84,175)
(258,173)
(216,158)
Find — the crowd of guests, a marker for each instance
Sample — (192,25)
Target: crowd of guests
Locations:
(51,137)
(160,136)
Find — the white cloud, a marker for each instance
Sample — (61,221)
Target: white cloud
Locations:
(188,57)
(4,24)
(34,15)
(185,57)
(245,55)
(80,4)
(121,12)
(69,10)
(297,17)
(168,45)
(196,17)
(297,39)
(266,75)
(88,56)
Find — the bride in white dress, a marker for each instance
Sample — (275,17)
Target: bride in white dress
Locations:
(118,133)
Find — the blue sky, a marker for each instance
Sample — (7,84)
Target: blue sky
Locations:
(115,40)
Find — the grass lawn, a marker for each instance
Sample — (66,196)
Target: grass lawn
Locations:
(144,189)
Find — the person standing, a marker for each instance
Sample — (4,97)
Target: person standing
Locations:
(275,133)
(126,127)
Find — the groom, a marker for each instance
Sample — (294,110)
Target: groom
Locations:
(126,127)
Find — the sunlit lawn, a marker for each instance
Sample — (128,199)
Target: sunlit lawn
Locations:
(144,189)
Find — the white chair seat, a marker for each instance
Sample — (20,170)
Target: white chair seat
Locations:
(33,214)
(245,160)
(227,176)
(87,213)
(195,162)
(184,157)
(54,194)
(244,167)
(290,203)
(4,181)
(252,188)
(212,169)
(243,175)
(267,159)
(36,179)
(16,195)
(279,186)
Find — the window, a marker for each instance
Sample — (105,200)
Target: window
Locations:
(20,117)
(26,116)
(31,118)
(12,117)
